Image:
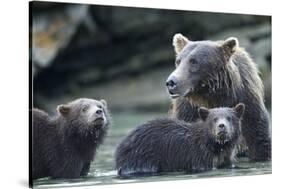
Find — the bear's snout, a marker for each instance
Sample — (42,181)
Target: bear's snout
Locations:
(171,85)
(221,127)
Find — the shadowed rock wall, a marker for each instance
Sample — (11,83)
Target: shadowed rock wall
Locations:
(125,54)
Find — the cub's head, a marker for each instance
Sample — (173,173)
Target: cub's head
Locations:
(223,123)
(84,114)
(197,64)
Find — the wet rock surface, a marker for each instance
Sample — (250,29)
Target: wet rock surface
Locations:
(125,54)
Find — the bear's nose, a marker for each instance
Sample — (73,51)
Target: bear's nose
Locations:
(99,112)
(221,126)
(171,84)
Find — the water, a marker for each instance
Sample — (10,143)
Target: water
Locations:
(102,169)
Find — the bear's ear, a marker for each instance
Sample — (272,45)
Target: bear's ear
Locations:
(203,113)
(230,45)
(63,109)
(239,109)
(179,42)
(103,102)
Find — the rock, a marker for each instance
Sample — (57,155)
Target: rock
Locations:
(51,33)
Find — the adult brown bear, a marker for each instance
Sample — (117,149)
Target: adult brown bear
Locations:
(219,74)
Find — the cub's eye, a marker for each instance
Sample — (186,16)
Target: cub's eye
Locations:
(215,119)
(178,61)
(85,108)
(99,106)
(228,118)
(193,61)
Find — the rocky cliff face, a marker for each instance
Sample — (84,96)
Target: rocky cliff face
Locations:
(125,54)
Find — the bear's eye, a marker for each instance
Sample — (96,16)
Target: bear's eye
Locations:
(193,61)
(99,106)
(85,108)
(228,118)
(215,119)
(194,66)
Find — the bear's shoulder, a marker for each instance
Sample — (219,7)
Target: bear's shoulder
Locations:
(40,118)
(39,114)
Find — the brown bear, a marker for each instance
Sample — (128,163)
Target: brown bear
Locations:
(65,145)
(220,73)
(168,145)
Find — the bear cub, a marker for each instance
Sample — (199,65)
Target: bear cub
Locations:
(65,145)
(168,145)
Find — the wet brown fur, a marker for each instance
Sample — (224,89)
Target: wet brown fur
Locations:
(236,81)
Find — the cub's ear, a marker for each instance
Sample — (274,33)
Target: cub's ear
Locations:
(103,102)
(63,109)
(239,109)
(230,45)
(179,42)
(203,113)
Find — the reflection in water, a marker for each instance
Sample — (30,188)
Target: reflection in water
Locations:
(102,170)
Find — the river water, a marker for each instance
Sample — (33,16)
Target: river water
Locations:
(102,169)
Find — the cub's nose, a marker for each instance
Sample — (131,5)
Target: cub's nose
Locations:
(171,84)
(99,112)
(221,126)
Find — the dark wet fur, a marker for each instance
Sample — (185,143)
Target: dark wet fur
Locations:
(226,87)
(168,145)
(63,149)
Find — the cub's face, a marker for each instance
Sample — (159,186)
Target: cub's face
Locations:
(195,62)
(223,123)
(85,112)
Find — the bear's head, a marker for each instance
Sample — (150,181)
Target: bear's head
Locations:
(198,64)
(84,116)
(223,124)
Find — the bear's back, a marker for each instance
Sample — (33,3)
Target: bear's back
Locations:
(249,74)
(40,118)
(44,138)
(163,144)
